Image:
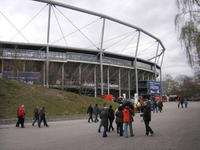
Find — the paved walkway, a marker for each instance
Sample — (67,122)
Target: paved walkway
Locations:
(175,129)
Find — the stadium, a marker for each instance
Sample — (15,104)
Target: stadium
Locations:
(93,71)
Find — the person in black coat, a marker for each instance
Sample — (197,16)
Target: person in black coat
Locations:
(100,124)
(147,118)
(182,102)
(160,106)
(155,106)
(42,117)
(96,112)
(36,116)
(104,120)
(119,120)
(90,111)
(111,117)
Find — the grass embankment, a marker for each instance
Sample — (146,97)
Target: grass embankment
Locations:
(56,102)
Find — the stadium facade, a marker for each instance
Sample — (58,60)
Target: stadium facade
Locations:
(88,71)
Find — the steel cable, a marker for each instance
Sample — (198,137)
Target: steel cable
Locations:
(59,27)
(78,29)
(13,26)
(29,21)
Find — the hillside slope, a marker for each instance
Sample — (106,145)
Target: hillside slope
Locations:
(57,102)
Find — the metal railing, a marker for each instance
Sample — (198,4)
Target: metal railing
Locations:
(34,54)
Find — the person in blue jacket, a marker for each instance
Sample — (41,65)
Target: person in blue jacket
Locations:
(186,103)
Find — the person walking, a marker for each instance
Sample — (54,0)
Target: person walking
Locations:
(100,124)
(127,119)
(104,120)
(160,106)
(96,112)
(147,118)
(36,116)
(182,101)
(155,106)
(138,106)
(42,117)
(21,114)
(119,120)
(111,117)
(186,103)
(178,102)
(90,112)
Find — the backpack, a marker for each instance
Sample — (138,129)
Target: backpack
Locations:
(126,115)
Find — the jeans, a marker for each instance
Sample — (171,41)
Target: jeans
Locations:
(181,105)
(126,124)
(155,109)
(104,131)
(100,125)
(96,118)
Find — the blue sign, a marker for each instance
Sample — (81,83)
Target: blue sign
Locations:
(154,87)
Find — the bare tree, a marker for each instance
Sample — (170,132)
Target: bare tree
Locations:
(187,23)
(181,85)
(167,84)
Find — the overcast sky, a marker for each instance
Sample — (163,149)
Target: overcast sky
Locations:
(154,16)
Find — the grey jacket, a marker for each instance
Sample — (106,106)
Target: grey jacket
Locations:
(104,117)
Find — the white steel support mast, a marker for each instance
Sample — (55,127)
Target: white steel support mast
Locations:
(135,64)
(161,76)
(47,48)
(155,61)
(101,55)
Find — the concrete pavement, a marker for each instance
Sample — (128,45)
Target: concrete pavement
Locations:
(175,129)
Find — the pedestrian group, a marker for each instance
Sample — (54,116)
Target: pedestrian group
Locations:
(182,101)
(39,116)
(123,117)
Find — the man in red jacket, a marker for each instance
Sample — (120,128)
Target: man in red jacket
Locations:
(128,119)
(21,114)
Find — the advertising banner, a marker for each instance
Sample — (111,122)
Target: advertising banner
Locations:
(154,87)
(28,77)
